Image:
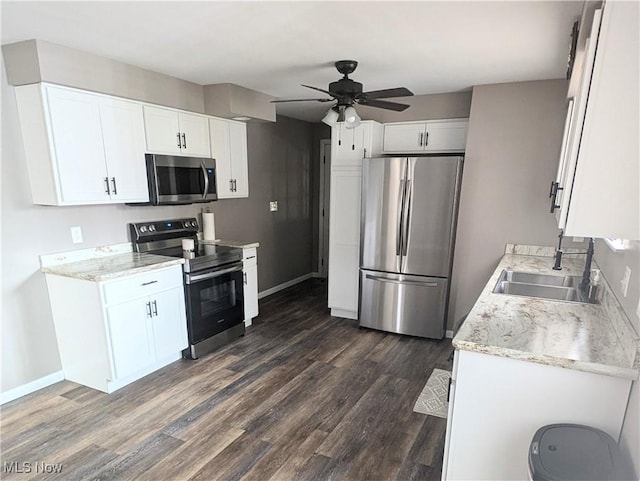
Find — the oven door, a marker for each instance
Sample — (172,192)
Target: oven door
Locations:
(180,180)
(214,301)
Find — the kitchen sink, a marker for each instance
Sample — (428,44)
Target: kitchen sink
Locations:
(544,286)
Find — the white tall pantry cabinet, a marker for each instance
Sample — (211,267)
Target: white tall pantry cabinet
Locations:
(348,148)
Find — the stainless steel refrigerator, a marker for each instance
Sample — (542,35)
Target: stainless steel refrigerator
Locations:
(409,212)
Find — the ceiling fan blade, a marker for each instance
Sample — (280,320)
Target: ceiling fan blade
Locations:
(383,104)
(322,90)
(387,93)
(302,100)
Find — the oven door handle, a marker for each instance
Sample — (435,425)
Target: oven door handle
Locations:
(201,277)
(206,180)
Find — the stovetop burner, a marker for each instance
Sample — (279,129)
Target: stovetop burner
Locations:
(165,238)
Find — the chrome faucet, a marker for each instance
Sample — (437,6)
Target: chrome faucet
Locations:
(558,263)
(586,274)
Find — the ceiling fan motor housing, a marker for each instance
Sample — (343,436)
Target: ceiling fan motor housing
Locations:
(346,89)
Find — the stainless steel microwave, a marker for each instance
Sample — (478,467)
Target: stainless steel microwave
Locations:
(180,180)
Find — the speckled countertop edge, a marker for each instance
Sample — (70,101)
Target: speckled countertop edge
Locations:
(585,337)
(112,267)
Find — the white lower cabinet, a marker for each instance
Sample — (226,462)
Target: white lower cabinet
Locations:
(113,332)
(497,404)
(250,277)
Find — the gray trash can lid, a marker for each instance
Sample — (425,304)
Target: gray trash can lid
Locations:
(560,452)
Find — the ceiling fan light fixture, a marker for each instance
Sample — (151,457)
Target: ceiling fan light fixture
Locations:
(331,117)
(351,118)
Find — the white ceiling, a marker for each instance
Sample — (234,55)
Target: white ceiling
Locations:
(273,47)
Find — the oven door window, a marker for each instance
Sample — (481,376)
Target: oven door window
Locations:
(214,305)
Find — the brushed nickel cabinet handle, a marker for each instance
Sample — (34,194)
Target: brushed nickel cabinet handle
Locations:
(106,184)
(115,189)
(184,140)
(179,144)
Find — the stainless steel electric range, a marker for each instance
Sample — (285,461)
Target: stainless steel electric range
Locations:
(212,279)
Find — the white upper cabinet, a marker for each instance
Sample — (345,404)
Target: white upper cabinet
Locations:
(229,149)
(123,137)
(170,131)
(350,146)
(82,148)
(425,136)
(598,185)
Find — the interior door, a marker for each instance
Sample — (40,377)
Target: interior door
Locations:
(383,184)
(432,186)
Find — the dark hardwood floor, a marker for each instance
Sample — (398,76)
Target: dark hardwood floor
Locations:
(303,396)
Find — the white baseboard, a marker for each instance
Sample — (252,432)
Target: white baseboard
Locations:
(448,334)
(30,387)
(284,285)
(316,275)
(344,313)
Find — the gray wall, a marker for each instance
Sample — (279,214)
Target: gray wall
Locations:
(515,132)
(279,169)
(612,265)
(280,165)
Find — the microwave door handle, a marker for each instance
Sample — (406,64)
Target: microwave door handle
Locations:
(206,181)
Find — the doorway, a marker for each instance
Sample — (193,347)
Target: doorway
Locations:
(323,206)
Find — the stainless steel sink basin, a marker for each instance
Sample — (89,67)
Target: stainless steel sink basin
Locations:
(544,286)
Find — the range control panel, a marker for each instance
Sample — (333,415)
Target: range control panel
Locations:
(174,228)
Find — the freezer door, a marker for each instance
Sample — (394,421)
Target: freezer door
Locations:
(383,185)
(430,211)
(413,305)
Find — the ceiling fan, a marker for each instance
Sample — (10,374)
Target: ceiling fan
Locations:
(347,92)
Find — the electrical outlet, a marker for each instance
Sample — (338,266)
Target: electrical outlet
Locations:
(624,283)
(273,206)
(76,235)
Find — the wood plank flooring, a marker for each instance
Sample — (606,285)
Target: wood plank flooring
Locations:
(303,396)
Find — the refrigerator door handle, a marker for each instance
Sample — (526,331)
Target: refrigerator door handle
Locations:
(407,218)
(396,281)
(401,199)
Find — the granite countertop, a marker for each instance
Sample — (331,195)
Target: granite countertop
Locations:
(231,243)
(594,338)
(112,266)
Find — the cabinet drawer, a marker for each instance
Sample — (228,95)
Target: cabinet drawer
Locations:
(141,285)
(249,256)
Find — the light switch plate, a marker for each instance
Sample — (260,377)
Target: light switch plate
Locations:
(273,206)
(638,309)
(76,235)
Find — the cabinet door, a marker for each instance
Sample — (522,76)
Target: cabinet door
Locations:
(348,145)
(250,290)
(399,138)
(129,332)
(239,161)
(344,240)
(77,138)
(123,135)
(573,142)
(169,324)
(162,130)
(194,130)
(221,151)
(446,136)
